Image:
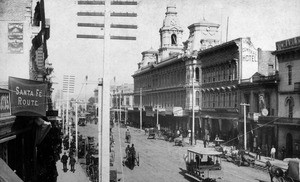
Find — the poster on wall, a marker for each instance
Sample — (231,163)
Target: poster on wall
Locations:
(15,37)
(28,97)
(4,103)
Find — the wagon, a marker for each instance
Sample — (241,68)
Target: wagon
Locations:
(199,162)
(152,132)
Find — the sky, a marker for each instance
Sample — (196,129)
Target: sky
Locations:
(264,21)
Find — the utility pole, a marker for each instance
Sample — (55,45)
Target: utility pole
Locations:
(141,107)
(76,130)
(193,109)
(63,118)
(68,86)
(245,128)
(120,112)
(103,105)
(157,116)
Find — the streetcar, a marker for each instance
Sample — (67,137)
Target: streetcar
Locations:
(199,163)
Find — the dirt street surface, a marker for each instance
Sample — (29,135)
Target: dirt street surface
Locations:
(161,161)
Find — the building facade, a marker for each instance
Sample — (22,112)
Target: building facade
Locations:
(223,68)
(288,121)
(167,81)
(23,60)
(121,102)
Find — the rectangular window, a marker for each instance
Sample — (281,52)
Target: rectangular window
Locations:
(289,75)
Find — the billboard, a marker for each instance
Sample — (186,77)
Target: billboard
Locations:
(15,37)
(28,97)
(249,56)
(5,109)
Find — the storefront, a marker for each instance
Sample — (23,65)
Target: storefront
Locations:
(22,135)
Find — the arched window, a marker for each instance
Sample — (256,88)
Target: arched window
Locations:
(197,98)
(197,74)
(289,103)
(173,39)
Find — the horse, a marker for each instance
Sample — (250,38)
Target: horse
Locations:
(274,171)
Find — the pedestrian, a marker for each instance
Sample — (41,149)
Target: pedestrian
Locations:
(283,152)
(208,139)
(178,133)
(72,163)
(258,153)
(273,151)
(204,143)
(64,160)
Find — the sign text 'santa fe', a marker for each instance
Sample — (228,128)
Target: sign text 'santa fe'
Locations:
(31,93)
(28,97)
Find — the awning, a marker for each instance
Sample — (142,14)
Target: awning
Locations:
(7,174)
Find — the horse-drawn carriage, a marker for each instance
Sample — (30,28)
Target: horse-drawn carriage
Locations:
(131,158)
(292,174)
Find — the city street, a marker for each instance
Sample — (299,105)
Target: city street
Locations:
(161,161)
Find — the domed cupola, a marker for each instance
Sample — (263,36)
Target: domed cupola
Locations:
(149,56)
(170,33)
(203,35)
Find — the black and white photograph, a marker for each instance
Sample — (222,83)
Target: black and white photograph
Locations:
(149,90)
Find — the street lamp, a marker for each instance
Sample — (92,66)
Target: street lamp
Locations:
(157,125)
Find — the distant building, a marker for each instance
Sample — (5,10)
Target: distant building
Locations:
(288,121)
(121,101)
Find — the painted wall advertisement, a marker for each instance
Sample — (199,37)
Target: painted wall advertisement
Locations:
(5,109)
(15,37)
(249,59)
(28,97)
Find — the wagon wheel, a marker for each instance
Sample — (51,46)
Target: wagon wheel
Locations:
(278,179)
(288,179)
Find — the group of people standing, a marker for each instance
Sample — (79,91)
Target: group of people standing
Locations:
(72,161)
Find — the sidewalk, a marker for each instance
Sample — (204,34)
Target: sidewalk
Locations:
(77,176)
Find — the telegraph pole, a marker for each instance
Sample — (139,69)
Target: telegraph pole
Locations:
(120,114)
(193,109)
(76,130)
(141,114)
(245,131)
(157,116)
(68,86)
(103,105)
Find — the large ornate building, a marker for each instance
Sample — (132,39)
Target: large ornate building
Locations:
(164,83)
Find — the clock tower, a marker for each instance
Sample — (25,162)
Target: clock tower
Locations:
(170,34)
